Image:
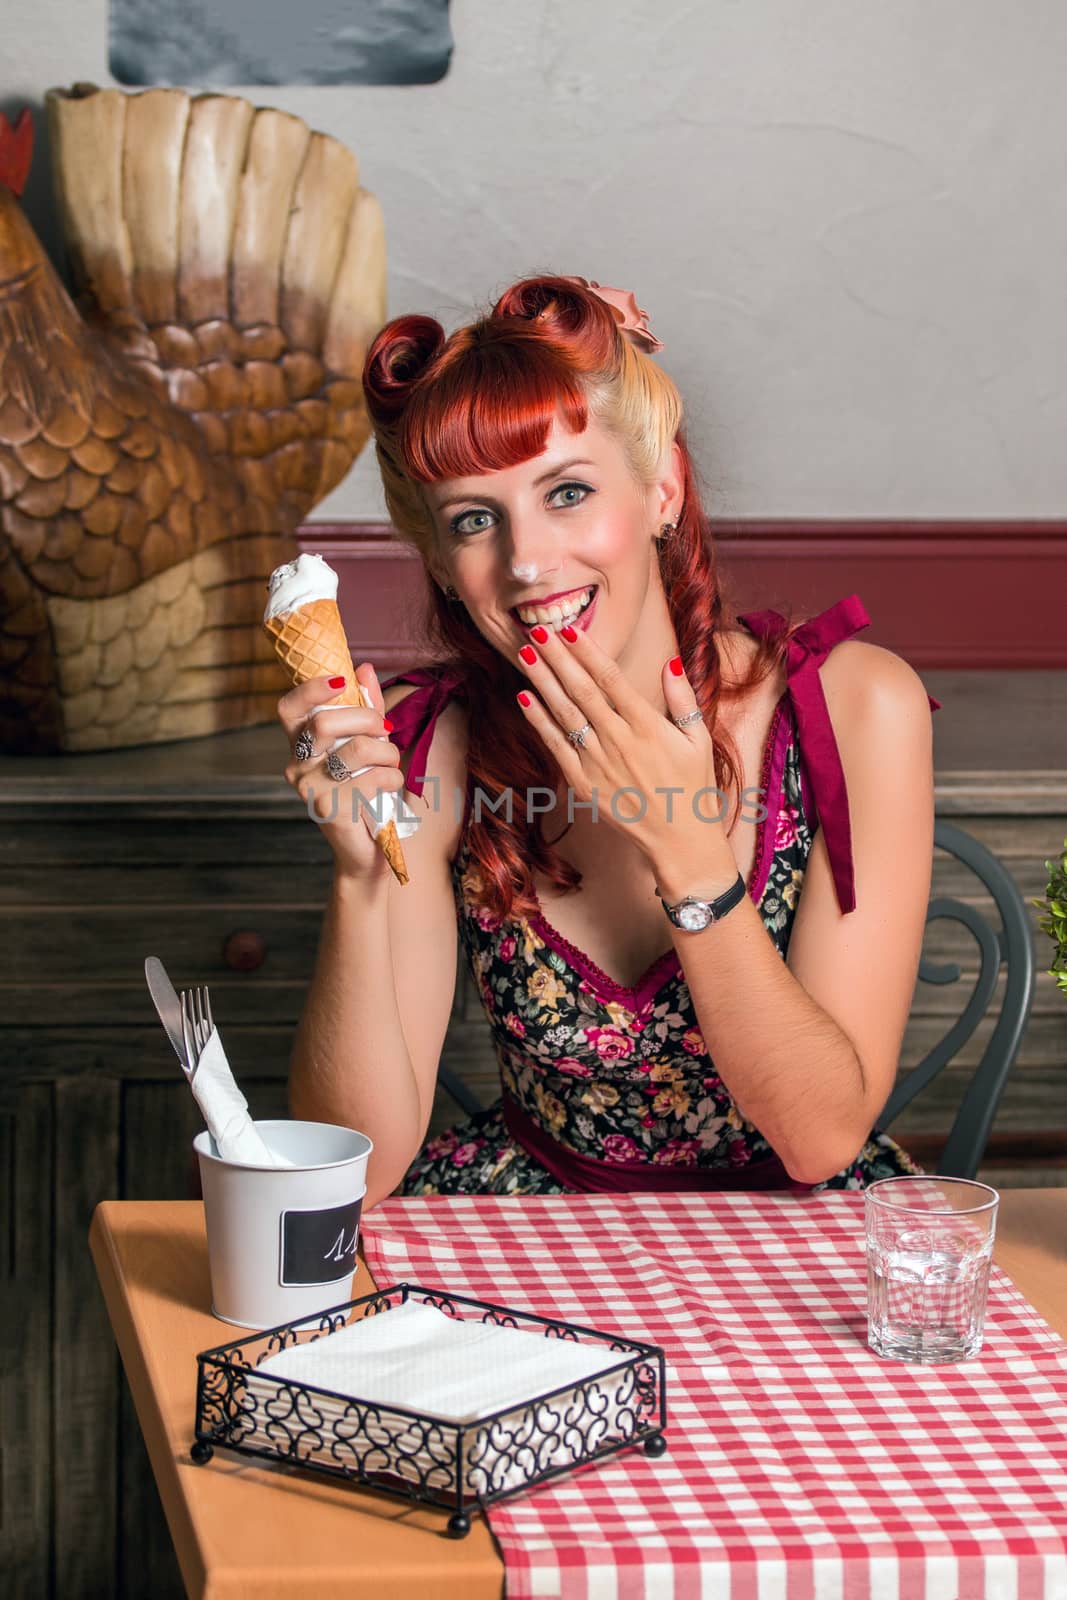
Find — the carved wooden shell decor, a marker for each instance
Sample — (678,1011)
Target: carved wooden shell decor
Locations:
(161,442)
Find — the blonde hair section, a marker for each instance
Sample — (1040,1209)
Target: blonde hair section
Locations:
(640,405)
(636,402)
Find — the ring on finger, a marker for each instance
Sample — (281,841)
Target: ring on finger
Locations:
(304,748)
(577,735)
(690,717)
(339,771)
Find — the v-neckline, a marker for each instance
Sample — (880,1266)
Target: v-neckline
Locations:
(637,995)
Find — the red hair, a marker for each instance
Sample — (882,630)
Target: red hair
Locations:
(486,399)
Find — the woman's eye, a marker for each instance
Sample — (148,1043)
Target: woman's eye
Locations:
(569,494)
(472,522)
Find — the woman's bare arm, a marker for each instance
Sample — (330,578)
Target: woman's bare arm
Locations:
(369,1041)
(808,1048)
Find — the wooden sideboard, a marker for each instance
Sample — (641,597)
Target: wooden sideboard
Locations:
(200,854)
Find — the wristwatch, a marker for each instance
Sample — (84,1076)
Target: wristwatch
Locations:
(694,915)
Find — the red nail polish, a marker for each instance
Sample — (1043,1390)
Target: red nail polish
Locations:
(528,655)
(524,699)
(676,666)
(387,725)
(337,683)
(569,633)
(540,634)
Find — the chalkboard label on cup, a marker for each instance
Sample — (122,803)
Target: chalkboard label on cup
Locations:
(320,1246)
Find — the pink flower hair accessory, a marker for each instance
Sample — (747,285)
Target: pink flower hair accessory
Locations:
(632,321)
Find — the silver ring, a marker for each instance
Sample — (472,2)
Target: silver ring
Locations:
(577,735)
(304,748)
(690,716)
(337,769)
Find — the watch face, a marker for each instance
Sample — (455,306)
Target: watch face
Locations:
(693,916)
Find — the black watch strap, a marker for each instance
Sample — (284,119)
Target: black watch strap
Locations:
(718,907)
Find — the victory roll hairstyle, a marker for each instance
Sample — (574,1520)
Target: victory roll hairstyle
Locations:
(485,399)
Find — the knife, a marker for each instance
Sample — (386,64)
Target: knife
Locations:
(168,1006)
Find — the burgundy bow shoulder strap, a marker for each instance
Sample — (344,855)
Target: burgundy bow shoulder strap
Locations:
(414,717)
(819,756)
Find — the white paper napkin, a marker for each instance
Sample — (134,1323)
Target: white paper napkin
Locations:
(225,1110)
(417,1358)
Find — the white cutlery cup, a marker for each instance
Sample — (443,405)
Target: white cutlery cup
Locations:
(282,1240)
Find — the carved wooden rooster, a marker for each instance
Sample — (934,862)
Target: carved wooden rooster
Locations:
(159,447)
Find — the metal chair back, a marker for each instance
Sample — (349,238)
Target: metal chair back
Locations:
(1010,946)
(458,1090)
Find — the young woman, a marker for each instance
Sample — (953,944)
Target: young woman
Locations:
(688,854)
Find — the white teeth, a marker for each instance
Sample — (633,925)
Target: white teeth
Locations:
(553,616)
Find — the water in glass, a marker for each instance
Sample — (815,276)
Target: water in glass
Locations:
(926,1291)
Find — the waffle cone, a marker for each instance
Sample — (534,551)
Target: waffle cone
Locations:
(310,642)
(388,842)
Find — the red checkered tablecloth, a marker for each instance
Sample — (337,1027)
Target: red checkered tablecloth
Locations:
(801,1466)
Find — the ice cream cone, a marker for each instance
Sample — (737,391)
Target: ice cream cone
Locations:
(388,842)
(310,642)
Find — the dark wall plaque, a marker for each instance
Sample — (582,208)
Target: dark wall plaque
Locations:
(216,42)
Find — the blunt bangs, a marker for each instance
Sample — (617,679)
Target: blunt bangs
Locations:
(489,406)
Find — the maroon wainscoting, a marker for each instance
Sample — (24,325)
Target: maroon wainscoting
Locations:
(941,594)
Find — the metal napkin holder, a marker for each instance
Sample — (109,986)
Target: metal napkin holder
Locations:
(459,1466)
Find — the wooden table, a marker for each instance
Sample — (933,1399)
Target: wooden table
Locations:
(240,1528)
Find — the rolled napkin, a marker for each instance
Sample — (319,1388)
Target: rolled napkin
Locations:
(303,620)
(419,1359)
(225,1110)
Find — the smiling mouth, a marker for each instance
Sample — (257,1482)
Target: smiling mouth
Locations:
(560,613)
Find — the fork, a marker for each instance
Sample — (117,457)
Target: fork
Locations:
(197,1024)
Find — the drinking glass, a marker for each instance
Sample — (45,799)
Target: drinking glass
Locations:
(929,1245)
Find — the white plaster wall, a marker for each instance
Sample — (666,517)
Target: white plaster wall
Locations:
(847,219)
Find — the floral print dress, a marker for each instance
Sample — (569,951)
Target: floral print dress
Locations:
(620,1074)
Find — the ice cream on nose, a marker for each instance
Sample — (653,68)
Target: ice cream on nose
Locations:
(303,620)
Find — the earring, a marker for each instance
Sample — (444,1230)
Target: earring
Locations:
(450,593)
(667,530)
